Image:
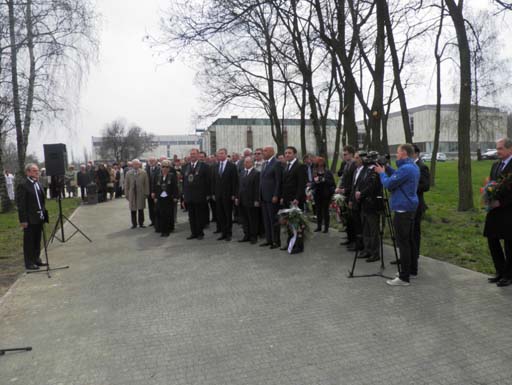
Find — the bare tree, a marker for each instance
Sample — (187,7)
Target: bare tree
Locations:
(456,11)
(122,143)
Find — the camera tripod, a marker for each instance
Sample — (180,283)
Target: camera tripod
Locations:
(48,268)
(27,349)
(384,218)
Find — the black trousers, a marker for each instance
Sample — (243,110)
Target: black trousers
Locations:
(272,231)
(249,215)
(134,217)
(213,209)
(371,236)
(196,217)
(404,234)
(164,215)
(83,192)
(32,243)
(502,257)
(225,216)
(151,209)
(322,213)
(417,234)
(356,228)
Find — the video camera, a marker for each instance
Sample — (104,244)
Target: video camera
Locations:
(374,158)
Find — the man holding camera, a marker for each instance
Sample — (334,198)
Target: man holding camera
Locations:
(403,184)
(32,215)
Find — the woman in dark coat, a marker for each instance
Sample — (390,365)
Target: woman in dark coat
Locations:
(166,193)
(323,189)
(102,178)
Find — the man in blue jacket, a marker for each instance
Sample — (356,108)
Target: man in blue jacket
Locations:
(403,184)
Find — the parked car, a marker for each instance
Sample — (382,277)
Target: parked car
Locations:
(491,153)
(441,157)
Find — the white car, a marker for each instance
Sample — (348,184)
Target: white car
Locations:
(491,153)
(441,157)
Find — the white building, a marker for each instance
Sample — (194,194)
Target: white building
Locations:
(492,126)
(166,145)
(235,134)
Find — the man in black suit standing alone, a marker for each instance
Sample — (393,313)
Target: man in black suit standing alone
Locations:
(270,193)
(248,200)
(225,190)
(294,184)
(499,219)
(196,191)
(32,214)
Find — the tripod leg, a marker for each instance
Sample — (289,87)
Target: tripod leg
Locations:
(351,272)
(76,228)
(46,252)
(26,349)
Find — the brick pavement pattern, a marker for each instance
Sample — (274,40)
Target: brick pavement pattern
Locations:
(135,308)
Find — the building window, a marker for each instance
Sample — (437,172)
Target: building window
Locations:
(249,137)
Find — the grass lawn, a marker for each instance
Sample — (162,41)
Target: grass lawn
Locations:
(453,236)
(11,240)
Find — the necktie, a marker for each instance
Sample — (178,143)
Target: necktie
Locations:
(221,168)
(36,189)
(246,172)
(502,165)
(289,166)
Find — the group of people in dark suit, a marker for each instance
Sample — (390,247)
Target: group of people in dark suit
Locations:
(257,194)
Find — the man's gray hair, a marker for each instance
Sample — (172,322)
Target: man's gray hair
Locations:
(247,149)
(29,166)
(507,142)
(135,161)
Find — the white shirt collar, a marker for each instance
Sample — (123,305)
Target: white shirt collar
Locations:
(248,171)
(292,162)
(507,161)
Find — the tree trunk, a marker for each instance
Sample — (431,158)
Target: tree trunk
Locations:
(303,147)
(349,116)
(437,129)
(336,153)
(396,72)
(20,144)
(464,125)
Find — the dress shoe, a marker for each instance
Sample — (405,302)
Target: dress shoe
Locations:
(142,226)
(364,255)
(32,267)
(41,263)
(326,231)
(222,237)
(200,237)
(274,246)
(192,237)
(394,262)
(345,243)
(164,234)
(133,227)
(373,258)
(283,248)
(296,251)
(227,239)
(151,224)
(503,282)
(494,279)
(317,230)
(253,241)
(217,232)
(243,240)
(265,244)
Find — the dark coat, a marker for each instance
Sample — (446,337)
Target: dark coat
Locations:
(423,185)
(196,183)
(152,177)
(225,186)
(294,183)
(370,188)
(83,178)
(26,200)
(324,188)
(498,223)
(249,189)
(347,177)
(270,180)
(356,185)
(170,186)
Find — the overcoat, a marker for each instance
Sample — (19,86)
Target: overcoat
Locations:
(498,223)
(136,189)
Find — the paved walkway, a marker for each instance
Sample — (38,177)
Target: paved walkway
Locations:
(135,308)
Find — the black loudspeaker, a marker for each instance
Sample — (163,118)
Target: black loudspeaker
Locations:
(55,159)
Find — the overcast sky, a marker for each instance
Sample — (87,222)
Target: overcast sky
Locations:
(130,80)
